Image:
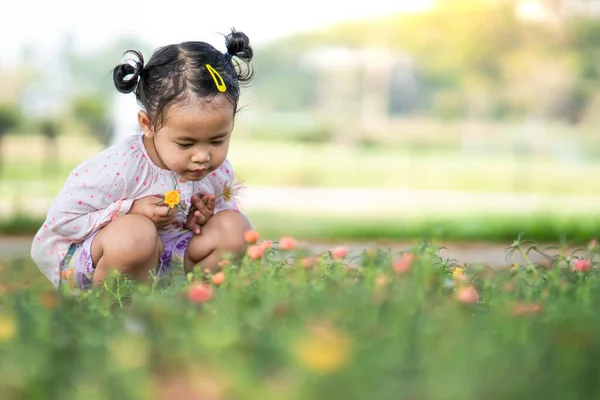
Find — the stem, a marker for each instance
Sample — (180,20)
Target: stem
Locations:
(529,263)
(587,294)
(119,294)
(113,293)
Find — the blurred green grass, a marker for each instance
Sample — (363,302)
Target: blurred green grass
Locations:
(337,165)
(419,166)
(482,228)
(323,228)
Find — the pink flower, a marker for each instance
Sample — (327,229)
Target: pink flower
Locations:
(339,252)
(218,278)
(255,252)
(251,236)
(582,265)
(403,265)
(467,295)
(287,243)
(266,244)
(199,293)
(308,262)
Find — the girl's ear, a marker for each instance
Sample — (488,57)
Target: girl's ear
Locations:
(145,124)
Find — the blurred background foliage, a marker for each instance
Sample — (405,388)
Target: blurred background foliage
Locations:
(464,59)
(488,95)
(483,60)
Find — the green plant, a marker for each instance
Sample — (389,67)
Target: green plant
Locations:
(286,323)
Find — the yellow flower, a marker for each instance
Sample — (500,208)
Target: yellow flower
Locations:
(172,198)
(8,328)
(457,274)
(323,350)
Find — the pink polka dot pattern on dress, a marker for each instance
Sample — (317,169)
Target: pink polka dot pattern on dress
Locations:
(90,198)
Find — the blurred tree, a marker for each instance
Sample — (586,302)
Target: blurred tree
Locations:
(50,128)
(472,59)
(282,81)
(453,45)
(91,73)
(90,77)
(10,117)
(539,87)
(92,112)
(581,42)
(458,47)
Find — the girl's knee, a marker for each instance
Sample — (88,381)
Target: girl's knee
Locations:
(232,225)
(222,234)
(132,237)
(231,222)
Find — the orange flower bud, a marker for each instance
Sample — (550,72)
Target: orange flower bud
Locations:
(251,236)
(287,243)
(199,292)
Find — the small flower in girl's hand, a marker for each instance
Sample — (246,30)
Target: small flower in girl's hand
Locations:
(172,198)
(232,191)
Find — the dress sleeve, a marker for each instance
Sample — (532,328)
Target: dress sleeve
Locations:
(95,193)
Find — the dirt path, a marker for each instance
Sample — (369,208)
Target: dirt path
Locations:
(14,247)
(491,254)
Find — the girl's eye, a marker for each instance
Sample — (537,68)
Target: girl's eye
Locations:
(184,145)
(218,142)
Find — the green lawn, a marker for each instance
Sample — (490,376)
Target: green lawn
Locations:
(490,228)
(331,165)
(264,162)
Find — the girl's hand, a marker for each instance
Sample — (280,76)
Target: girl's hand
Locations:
(203,207)
(154,208)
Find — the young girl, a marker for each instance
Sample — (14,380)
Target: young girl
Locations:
(112,212)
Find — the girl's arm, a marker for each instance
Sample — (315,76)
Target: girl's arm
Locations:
(95,193)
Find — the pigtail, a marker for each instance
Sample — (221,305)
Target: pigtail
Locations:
(127,75)
(238,45)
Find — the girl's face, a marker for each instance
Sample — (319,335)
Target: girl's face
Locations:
(193,141)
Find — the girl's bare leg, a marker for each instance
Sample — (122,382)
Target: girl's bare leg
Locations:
(222,234)
(129,244)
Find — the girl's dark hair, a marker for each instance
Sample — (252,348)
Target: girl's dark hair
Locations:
(177,71)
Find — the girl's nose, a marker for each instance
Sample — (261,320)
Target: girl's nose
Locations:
(201,156)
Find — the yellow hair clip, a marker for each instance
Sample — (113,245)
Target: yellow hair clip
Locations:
(217,78)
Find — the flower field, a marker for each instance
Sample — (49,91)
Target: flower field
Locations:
(286,324)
